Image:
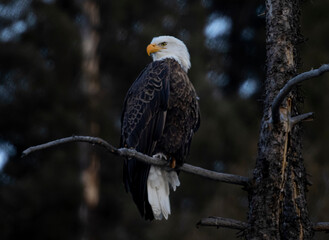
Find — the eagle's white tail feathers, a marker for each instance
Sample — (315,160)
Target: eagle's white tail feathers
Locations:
(158,191)
(173,180)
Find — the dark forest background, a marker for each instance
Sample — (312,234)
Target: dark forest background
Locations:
(45,95)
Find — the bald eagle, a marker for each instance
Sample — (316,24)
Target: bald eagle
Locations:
(160,116)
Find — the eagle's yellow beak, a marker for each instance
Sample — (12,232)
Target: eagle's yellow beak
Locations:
(152,48)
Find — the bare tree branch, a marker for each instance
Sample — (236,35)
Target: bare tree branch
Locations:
(321,226)
(221,177)
(302,118)
(290,84)
(222,222)
(124,152)
(87,139)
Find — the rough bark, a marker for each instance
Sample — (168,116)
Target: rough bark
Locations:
(278,207)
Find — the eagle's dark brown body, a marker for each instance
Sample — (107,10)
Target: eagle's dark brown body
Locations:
(160,115)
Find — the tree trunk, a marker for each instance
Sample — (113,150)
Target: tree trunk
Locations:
(91,87)
(277,200)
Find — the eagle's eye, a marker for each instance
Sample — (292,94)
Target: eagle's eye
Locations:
(163,44)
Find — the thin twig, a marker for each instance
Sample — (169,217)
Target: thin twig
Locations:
(222,222)
(290,84)
(321,226)
(124,152)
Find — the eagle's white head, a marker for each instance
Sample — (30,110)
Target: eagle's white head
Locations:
(169,47)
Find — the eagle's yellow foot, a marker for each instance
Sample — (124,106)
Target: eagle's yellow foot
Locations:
(173,163)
